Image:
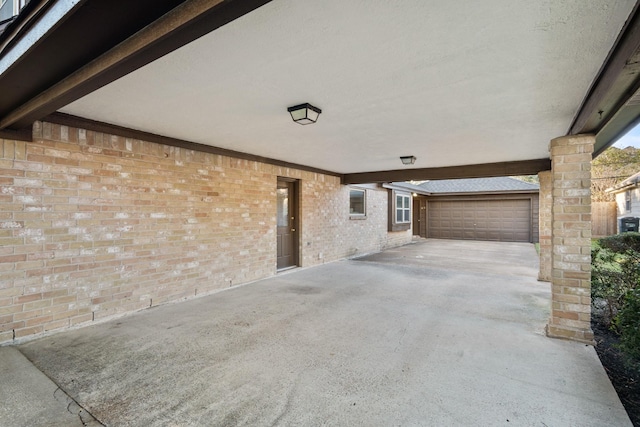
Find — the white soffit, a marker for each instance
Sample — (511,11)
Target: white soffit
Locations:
(451,82)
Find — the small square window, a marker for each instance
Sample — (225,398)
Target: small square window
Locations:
(357,202)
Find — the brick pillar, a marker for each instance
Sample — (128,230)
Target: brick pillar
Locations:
(571,238)
(545,205)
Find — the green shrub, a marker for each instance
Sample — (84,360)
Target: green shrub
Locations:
(610,280)
(615,280)
(627,322)
(622,243)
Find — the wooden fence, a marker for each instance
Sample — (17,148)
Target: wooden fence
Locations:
(604,221)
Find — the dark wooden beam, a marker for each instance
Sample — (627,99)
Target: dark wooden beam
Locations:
(523,167)
(92,125)
(82,27)
(616,82)
(185,23)
(25,134)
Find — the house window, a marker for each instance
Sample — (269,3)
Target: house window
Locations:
(6,9)
(10,8)
(627,201)
(399,211)
(357,202)
(18,5)
(403,209)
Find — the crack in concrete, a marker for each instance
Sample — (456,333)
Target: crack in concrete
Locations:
(74,408)
(289,402)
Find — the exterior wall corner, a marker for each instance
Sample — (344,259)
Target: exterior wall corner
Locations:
(545,223)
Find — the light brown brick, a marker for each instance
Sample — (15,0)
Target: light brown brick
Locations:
(27,298)
(38,320)
(6,336)
(120,222)
(25,331)
(570,179)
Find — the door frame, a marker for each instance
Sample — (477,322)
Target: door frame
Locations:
(420,222)
(295,223)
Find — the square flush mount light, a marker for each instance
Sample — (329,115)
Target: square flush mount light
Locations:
(304,114)
(408,160)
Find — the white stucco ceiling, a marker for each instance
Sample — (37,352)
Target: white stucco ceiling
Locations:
(451,82)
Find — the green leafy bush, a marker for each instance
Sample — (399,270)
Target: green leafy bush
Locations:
(614,272)
(615,281)
(623,243)
(627,323)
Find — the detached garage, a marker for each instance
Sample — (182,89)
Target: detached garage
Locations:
(500,209)
(481,219)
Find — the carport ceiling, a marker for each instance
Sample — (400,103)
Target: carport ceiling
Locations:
(450,82)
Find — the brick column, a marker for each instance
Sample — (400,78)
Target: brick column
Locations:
(545,205)
(571,238)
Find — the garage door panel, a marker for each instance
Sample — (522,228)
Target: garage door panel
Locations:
(482,235)
(500,220)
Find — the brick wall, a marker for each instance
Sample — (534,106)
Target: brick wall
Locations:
(93,225)
(571,238)
(328,236)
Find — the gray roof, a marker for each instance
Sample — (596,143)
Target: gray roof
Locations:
(407,186)
(478,185)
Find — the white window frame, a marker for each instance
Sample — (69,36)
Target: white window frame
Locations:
(18,5)
(405,208)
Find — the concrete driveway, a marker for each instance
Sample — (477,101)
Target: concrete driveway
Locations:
(436,333)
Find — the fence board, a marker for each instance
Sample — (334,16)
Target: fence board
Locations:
(603,219)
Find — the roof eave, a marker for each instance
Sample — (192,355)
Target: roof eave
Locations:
(131,41)
(609,110)
(22,22)
(475,193)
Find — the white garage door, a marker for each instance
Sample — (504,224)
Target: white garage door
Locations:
(500,220)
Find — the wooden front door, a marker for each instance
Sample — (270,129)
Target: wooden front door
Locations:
(287,224)
(416,216)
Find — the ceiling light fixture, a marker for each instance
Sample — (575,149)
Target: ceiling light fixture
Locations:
(304,114)
(408,160)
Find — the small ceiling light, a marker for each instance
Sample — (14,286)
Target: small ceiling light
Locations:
(408,160)
(304,114)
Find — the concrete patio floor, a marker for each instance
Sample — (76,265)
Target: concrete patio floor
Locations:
(438,332)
